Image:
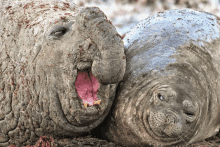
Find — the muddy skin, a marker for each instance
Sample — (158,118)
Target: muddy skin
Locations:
(50,53)
(170,92)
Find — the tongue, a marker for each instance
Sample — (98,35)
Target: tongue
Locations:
(87,87)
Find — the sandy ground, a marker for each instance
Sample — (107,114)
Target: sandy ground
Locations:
(91,141)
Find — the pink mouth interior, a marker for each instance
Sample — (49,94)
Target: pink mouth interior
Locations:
(87,87)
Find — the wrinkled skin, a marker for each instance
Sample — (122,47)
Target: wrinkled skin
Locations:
(44,47)
(170,92)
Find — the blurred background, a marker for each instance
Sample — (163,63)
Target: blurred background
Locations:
(125,14)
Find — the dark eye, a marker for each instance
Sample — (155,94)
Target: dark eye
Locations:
(58,32)
(161,97)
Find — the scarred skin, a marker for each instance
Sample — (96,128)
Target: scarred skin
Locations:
(43,49)
(170,94)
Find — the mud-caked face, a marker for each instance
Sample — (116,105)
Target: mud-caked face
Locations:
(75,59)
(64,63)
(172,114)
(82,66)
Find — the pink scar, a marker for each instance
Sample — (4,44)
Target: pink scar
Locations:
(87,87)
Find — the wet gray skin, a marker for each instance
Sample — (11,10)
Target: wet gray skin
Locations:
(170,92)
(44,46)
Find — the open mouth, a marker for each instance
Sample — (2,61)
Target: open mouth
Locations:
(87,88)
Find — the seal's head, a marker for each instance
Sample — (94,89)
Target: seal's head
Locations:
(169,94)
(161,109)
(65,63)
(172,113)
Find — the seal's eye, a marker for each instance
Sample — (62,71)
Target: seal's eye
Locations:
(161,97)
(58,32)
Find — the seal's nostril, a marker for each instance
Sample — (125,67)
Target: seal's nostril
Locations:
(189,116)
(188,109)
(189,113)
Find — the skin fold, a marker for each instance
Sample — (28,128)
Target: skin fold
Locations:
(170,92)
(60,65)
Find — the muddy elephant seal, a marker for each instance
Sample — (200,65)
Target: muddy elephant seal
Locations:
(170,94)
(60,65)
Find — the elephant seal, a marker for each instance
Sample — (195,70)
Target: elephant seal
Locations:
(60,65)
(170,94)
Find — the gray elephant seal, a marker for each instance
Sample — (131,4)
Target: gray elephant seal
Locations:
(60,65)
(170,94)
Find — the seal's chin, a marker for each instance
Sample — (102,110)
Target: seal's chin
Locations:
(87,87)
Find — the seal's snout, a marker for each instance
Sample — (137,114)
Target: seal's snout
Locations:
(173,125)
(108,71)
(108,65)
(165,124)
